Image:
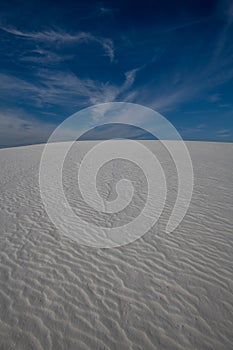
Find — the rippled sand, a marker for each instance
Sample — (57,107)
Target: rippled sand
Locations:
(163,291)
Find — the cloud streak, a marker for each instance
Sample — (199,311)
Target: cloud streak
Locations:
(17,129)
(61,88)
(53,73)
(59,37)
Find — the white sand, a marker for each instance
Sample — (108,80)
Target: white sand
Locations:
(164,291)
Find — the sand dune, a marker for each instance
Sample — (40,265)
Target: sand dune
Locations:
(163,291)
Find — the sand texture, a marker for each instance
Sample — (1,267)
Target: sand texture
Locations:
(163,291)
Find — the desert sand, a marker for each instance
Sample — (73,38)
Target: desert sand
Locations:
(163,291)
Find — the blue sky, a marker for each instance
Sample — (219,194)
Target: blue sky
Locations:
(58,57)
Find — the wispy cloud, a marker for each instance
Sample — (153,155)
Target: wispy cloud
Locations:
(44,56)
(157,95)
(61,70)
(214,98)
(202,78)
(222,133)
(63,88)
(51,88)
(20,129)
(88,90)
(59,37)
(106,11)
(193,130)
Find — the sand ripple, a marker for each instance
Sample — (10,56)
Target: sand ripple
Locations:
(164,291)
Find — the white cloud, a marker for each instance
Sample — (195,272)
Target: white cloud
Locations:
(214,98)
(193,130)
(17,129)
(169,96)
(64,89)
(42,56)
(223,133)
(59,37)
(52,88)
(130,78)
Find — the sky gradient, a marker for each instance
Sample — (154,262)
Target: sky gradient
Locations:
(58,57)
